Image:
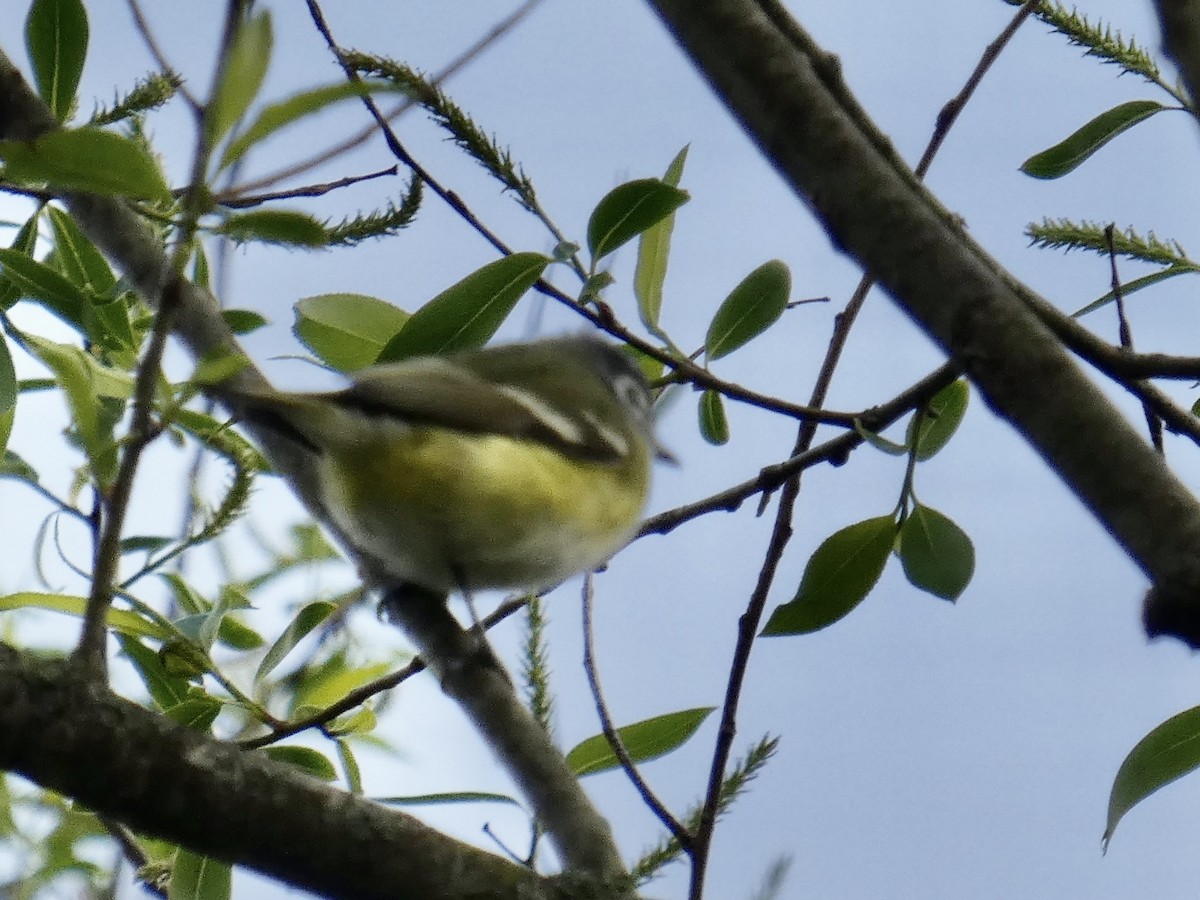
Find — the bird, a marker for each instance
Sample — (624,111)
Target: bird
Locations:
(513,466)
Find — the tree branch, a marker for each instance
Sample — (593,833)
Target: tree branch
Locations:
(580,835)
(160,778)
(788,94)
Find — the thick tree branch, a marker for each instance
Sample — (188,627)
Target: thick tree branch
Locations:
(580,835)
(788,94)
(1180,23)
(163,779)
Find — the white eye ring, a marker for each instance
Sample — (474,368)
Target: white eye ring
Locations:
(632,393)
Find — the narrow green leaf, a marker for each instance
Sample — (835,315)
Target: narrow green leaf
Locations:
(938,556)
(56,38)
(40,283)
(82,263)
(120,620)
(1065,156)
(645,740)
(714,426)
(8,392)
(932,427)
(243,321)
(275,226)
(196,877)
(285,112)
(448,798)
(86,159)
(23,244)
(304,622)
(12,466)
(350,769)
(144,543)
(73,369)
(1167,753)
(654,249)
(1137,284)
(837,578)
(347,331)
(243,74)
(879,442)
(628,210)
(750,309)
(467,314)
(311,761)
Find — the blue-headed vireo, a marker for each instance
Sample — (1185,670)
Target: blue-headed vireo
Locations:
(512,466)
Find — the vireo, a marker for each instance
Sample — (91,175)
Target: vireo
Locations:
(513,466)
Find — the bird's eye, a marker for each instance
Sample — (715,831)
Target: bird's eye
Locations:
(632,393)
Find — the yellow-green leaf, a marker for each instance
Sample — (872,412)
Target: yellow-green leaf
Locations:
(86,159)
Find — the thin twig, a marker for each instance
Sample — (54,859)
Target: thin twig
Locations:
(361,695)
(782,530)
(238,200)
(644,790)
(494,34)
(1125,335)
(89,652)
(834,451)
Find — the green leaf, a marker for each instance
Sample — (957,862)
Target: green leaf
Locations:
(938,556)
(1065,156)
(644,741)
(467,314)
(8,393)
(750,309)
(275,226)
(448,798)
(1136,284)
(654,249)
(119,620)
(23,244)
(242,76)
(347,331)
(167,690)
(196,877)
(933,426)
(81,262)
(243,321)
(144,543)
(12,466)
(878,441)
(84,382)
(837,578)
(56,38)
(714,427)
(350,769)
(1167,753)
(42,284)
(335,683)
(196,712)
(86,159)
(311,761)
(281,114)
(628,210)
(305,621)
(238,635)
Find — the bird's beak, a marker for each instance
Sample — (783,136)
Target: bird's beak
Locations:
(665,455)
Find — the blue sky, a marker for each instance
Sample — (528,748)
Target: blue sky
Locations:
(928,750)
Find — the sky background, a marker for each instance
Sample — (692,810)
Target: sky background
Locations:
(928,750)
